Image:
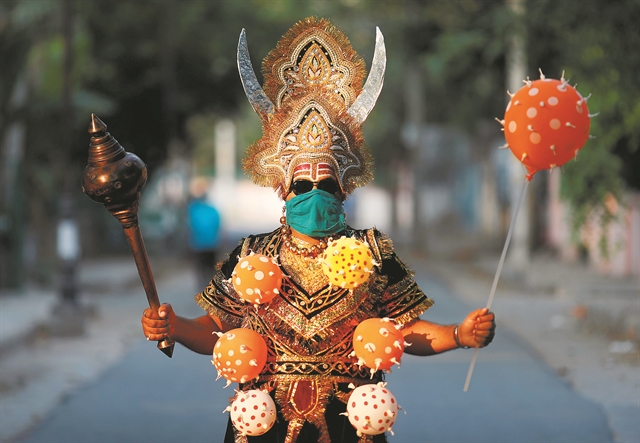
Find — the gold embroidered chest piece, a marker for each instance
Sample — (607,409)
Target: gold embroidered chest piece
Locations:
(308,270)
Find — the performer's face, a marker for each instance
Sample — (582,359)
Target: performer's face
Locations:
(308,176)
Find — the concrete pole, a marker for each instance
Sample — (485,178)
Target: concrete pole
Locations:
(519,255)
(12,193)
(224,190)
(410,181)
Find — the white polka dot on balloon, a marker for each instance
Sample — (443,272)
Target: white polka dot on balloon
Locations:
(535,138)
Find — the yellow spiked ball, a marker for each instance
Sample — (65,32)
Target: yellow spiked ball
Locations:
(347,262)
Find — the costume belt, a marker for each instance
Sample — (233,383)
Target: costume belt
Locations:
(338,368)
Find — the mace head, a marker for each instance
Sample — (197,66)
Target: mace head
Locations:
(113,176)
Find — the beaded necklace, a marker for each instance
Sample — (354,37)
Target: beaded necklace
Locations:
(312,251)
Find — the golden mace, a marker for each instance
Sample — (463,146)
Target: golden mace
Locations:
(114,178)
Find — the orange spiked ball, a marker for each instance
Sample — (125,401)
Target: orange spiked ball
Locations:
(257,278)
(378,343)
(546,123)
(240,355)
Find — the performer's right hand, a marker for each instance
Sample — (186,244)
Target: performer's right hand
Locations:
(159,324)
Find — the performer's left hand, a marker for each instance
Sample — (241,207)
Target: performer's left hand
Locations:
(477,329)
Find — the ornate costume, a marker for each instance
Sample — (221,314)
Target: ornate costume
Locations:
(312,107)
(309,328)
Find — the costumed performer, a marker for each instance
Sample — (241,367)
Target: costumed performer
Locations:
(312,153)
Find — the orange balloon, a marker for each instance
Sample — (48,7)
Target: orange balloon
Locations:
(240,355)
(378,344)
(546,123)
(257,278)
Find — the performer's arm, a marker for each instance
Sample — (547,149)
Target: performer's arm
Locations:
(196,334)
(427,338)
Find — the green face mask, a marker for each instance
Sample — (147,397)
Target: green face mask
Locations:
(316,213)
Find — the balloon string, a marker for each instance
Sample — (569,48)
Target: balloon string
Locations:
(497,276)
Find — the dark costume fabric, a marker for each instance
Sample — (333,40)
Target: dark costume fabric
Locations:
(309,328)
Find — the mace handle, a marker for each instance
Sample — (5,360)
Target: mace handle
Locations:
(134,237)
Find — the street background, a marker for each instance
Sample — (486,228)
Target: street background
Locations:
(162,75)
(553,373)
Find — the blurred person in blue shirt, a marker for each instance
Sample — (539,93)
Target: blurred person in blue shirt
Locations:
(204,231)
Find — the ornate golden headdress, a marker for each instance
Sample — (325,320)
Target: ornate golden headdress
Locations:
(312,105)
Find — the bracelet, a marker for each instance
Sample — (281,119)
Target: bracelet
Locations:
(457,338)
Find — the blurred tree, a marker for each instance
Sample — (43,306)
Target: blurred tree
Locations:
(147,66)
(597,45)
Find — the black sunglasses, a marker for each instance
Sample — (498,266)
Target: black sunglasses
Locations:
(303,186)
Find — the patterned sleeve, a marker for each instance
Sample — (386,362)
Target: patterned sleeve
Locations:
(402,299)
(219,298)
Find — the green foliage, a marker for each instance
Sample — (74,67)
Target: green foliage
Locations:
(597,45)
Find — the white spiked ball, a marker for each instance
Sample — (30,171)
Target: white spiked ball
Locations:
(372,409)
(253,412)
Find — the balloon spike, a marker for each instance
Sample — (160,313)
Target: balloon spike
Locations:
(542,104)
(570,125)
(527,82)
(516,103)
(575,157)
(530,128)
(505,146)
(542,77)
(500,121)
(592,136)
(510,94)
(553,148)
(586,99)
(562,77)
(594,115)
(524,155)
(563,87)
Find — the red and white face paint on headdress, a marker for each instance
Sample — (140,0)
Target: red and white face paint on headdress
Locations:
(313,172)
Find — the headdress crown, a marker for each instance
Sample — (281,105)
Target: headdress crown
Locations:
(312,105)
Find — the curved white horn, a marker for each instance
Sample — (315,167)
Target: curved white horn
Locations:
(258,99)
(367,99)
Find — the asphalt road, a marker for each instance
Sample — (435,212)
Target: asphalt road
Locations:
(513,396)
